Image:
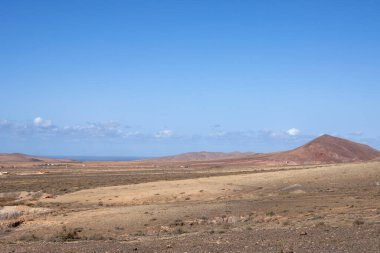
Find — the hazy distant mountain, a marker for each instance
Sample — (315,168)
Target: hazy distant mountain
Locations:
(202,156)
(16,157)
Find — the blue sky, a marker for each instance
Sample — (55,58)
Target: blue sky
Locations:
(152,78)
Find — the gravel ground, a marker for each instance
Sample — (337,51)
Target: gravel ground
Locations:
(364,238)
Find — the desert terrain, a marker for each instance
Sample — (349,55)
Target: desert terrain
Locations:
(322,197)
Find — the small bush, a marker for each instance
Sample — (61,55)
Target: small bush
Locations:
(95,237)
(358,222)
(139,233)
(28,237)
(178,222)
(180,231)
(69,234)
(226,226)
(320,224)
(15,224)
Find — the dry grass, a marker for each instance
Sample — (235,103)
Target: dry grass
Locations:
(332,195)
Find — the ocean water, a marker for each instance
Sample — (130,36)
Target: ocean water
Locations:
(100,158)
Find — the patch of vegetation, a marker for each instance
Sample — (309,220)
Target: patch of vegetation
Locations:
(95,237)
(320,224)
(68,234)
(139,233)
(358,222)
(204,217)
(178,222)
(271,213)
(15,224)
(180,231)
(28,237)
(226,226)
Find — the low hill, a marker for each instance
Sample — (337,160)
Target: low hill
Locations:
(17,158)
(201,156)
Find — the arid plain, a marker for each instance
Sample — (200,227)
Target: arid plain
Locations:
(199,205)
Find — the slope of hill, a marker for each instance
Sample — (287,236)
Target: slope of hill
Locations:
(324,149)
(201,156)
(16,158)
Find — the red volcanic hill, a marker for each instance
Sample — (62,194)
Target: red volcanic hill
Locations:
(324,149)
(332,149)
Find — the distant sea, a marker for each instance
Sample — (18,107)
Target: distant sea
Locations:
(101,158)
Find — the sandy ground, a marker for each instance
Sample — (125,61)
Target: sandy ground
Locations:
(332,208)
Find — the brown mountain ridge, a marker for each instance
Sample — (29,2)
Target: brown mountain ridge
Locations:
(322,150)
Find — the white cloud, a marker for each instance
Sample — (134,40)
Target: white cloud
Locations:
(96,129)
(164,133)
(5,123)
(40,122)
(218,134)
(132,134)
(40,127)
(293,132)
(356,133)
